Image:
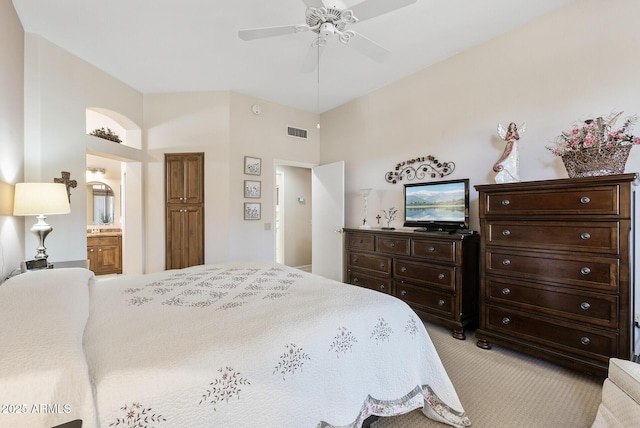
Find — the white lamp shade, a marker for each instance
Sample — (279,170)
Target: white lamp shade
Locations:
(40,198)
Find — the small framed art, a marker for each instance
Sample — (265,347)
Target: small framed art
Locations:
(252,166)
(252,188)
(252,210)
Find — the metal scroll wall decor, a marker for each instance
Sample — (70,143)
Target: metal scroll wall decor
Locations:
(420,168)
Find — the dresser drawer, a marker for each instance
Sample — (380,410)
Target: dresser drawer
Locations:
(360,242)
(426,299)
(594,308)
(598,273)
(440,276)
(601,237)
(395,246)
(103,240)
(372,262)
(369,281)
(434,250)
(596,200)
(574,338)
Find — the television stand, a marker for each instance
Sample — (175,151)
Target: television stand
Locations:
(436,230)
(436,273)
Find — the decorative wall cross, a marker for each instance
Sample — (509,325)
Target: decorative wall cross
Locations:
(67,182)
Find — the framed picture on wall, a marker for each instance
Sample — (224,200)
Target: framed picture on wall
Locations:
(252,166)
(252,210)
(252,188)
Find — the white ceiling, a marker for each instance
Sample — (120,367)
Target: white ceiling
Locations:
(192,45)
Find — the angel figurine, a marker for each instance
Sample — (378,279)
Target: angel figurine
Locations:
(508,166)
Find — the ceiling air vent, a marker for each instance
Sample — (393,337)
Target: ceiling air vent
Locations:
(296,132)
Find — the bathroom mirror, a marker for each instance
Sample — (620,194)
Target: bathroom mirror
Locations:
(101,210)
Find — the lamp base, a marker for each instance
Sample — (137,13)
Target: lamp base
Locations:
(41,229)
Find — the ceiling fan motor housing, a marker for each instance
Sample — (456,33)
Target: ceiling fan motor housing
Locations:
(327,29)
(319,17)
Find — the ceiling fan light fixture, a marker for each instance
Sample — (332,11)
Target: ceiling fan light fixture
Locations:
(327,30)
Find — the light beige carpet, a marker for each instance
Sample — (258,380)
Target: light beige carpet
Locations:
(501,388)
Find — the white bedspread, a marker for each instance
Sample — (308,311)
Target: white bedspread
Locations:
(258,344)
(44,378)
(229,345)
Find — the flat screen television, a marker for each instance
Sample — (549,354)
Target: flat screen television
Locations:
(441,206)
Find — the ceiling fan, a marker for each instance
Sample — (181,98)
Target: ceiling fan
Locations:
(327,21)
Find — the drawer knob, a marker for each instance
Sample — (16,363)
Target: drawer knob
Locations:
(506,291)
(431,249)
(585,340)
(506,262)
(506,320)
(585,235)
(440,302)
(355,280)
(393,244)
(441,276)
(506,202)
(585,306)
(403,293)
(381,265)
(381,286)
(403,269)
(355,260)
(585,200)
(506,232)
(585,270)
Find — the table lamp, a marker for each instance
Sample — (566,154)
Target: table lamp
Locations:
(40,200)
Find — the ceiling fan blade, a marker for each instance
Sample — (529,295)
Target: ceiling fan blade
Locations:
(371,8)
(369,48)
(313,3)
(310,62)
(259,33)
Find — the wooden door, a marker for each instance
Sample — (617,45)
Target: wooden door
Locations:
(185,236)
(184,188)
(184,178)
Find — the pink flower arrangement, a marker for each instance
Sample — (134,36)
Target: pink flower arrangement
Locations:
(596,133)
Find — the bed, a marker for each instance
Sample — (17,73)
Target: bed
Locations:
(234,344)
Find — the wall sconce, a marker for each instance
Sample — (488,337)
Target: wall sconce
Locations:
(94,174)
(41,199)
(6,198)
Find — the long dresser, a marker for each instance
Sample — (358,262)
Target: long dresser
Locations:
(435,273)
(556,269)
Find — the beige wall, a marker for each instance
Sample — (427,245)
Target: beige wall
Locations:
(182,123)
(579,61)
(59,87)
(222,125)
(12,240)
(263,136)
(576,62)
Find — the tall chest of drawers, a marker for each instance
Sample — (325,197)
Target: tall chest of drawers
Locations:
(556,269)
(434,273)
